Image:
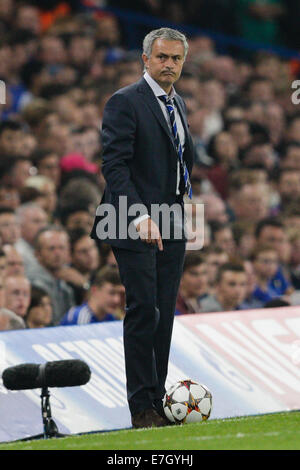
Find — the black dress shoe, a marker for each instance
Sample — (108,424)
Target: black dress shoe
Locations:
(148,419)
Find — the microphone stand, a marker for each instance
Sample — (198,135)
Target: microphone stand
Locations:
(50,428)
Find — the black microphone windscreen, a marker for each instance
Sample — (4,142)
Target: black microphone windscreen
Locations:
(67,373)
(21,377)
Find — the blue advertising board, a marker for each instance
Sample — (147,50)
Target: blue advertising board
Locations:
(101,404)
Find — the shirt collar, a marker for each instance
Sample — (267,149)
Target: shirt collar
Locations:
(157,90)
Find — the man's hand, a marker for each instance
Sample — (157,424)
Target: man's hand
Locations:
(69,274)
(149,232)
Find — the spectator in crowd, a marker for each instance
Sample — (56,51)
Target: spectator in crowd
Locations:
(103,300)
(76,216)
(47,188)
(17,294)
(61,68)
(223,149)
(271,231)
(40,311)
(9,196)
(28,18)
(222,236)
(288,187)
(52,248)
(85,140)
(9,226)
(11,133)
(214,208)
(213,100)
(239,130)
(47,164)
(85,261)
(215,257)
(292,131)
(250,300)
(31,218)
(193,285)
(259,89)
(57,139)
(10,321)
(291,156)
(15,170)
(243,233)
(265,261)
(230,290)
(80,191)
(249,202)
(294,265)
(290,216)
(14,261)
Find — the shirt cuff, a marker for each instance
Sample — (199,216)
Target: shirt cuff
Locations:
(139,219)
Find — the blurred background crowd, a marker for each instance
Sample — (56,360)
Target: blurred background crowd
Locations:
(60,62)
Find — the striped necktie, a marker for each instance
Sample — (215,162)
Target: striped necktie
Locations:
(170,107)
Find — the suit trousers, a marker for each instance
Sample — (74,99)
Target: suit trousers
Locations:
(151,281)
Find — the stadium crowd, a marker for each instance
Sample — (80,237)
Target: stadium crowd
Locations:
(60,66)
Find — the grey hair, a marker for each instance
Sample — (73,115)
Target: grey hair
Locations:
(164,33)
(21,210)
(48,228)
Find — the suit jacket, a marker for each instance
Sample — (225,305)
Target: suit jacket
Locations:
(139,159)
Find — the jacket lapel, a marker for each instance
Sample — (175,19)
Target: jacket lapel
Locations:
(152,103)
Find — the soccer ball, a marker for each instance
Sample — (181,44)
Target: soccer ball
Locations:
(187,402)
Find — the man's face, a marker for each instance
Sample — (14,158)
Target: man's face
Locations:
(91,143)
(9,229)
(80,219)
(273,236)
(194,280)
(252,203)
(9,141)
(85,255)
(17,295)
(165,62)
(9,197)
(213,262)
(216,211)
(34,219)
(241,134)
(276,238)
(41,314)
(266,264)
(14,262)
(232,288)
(292,159)
(49,166)
(108,297)
(53,251)
(224,239)
(289,185)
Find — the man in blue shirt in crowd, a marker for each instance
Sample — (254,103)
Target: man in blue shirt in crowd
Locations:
(104,300)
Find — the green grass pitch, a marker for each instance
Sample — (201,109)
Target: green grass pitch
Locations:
(266,432)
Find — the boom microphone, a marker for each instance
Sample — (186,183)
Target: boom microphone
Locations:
(68,373)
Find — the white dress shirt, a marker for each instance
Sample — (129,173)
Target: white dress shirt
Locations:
(158,91)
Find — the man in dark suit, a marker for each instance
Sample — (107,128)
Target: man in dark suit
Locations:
(147,161)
